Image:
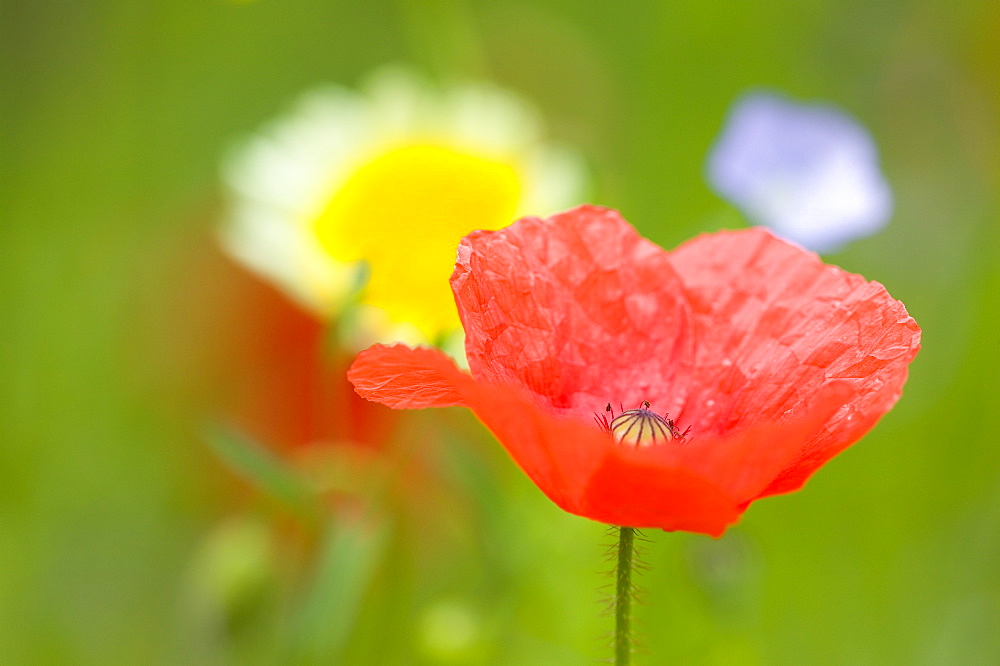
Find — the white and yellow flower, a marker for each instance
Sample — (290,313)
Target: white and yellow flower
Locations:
(361,198)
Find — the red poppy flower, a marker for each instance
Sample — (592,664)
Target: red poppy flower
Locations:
(770,361)
(266,364)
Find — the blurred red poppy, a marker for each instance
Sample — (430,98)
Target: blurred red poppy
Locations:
(771,361)
(271,368)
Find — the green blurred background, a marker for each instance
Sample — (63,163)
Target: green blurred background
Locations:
(125,539)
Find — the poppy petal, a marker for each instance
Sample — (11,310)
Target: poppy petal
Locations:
(701,485)
(774,326)
(744,463)
(578,309)
(404,378)
(623,492)
(585,472)
(575,464)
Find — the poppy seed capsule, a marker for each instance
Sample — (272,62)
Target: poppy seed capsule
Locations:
(643,427)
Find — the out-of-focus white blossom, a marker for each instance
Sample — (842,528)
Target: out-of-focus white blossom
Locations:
(809,172)
(361,197)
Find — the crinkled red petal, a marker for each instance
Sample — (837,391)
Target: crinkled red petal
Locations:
(774,325)
(404,378)
(578,309)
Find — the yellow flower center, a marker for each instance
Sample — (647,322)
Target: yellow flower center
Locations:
(404,214)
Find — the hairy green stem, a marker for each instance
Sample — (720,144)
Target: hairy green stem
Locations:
(623,597)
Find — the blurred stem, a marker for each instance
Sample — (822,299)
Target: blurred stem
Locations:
(623,596)
(265,471)
(355,544)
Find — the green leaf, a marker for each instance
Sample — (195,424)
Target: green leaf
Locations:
(262,469)
(354,546)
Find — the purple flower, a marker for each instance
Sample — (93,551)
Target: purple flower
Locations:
(810,172)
